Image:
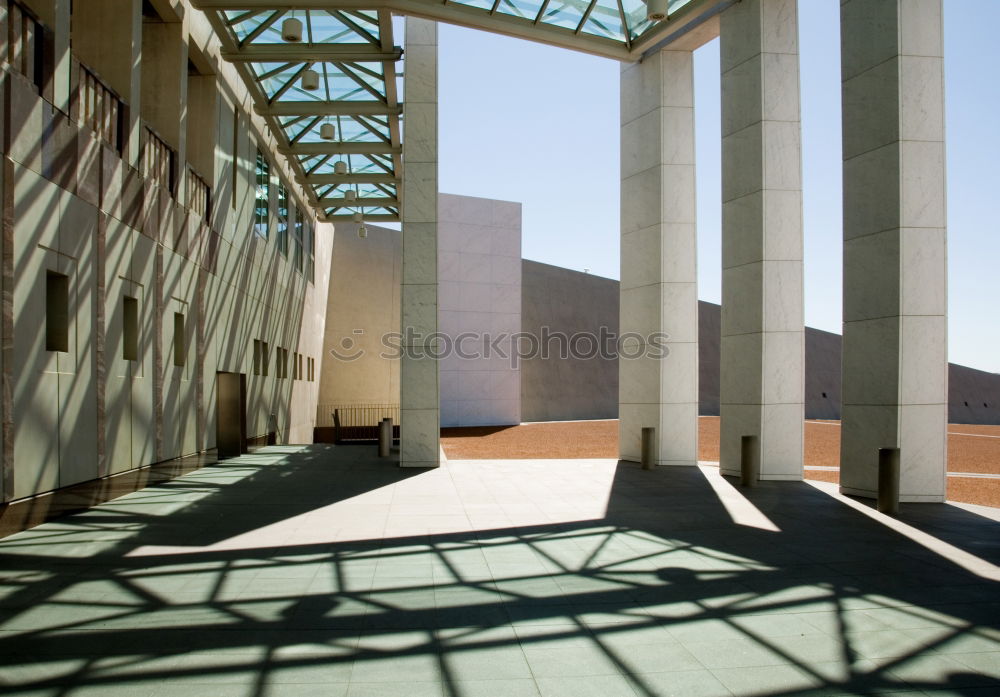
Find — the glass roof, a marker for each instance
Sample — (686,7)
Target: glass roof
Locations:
(619,20)
(345,73)
(319,26)
(356,96)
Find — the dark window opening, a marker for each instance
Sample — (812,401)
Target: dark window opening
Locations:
(56,311)
(180,354)
(281,366)
(130,329)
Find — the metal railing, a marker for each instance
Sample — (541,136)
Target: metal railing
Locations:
(101,109)
(356,414)
(199,195)
(159,161)
(357,422)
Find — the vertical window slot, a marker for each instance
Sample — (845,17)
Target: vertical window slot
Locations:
(180,353)
(56,311)
(130,328)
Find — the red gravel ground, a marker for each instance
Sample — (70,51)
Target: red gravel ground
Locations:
(972,449)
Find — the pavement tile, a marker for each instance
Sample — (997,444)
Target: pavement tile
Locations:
(278,583)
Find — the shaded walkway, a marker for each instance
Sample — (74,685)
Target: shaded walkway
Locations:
(321,570)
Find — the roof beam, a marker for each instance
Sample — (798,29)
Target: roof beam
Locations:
(315,53)
(288,4)
(340,149)
(372,202)
(335,108)
(509,25)
(376,218)
(683,31)
(373,178)
(450,13)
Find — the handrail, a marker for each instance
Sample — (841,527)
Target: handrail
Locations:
(356,414)
(101,109)
(199,195)
(159,161)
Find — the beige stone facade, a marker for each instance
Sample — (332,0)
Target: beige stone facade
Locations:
(133,270)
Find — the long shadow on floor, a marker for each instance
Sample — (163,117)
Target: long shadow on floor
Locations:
(664,594)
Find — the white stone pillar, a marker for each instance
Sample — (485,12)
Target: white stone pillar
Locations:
(762,348)
(895,288)
(659,290)
(419,385)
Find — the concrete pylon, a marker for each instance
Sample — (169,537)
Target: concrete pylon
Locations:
(659,292)
(418,379)
(762,349)
(895,362)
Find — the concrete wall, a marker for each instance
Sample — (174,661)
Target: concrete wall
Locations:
(479,291)
(479,295)
(363,307)
(973,396)
(76,205)
(571,301)
(567,301)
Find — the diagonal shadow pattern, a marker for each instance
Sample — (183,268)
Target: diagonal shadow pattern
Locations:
(321,569)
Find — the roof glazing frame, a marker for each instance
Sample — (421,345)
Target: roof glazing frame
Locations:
(347,40)
(353,53)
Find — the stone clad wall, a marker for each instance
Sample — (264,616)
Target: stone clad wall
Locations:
(80,207)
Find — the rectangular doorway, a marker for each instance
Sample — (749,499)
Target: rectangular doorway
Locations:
(231,414)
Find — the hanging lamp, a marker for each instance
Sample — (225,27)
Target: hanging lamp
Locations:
(310,80)
(657,10)
(291,29)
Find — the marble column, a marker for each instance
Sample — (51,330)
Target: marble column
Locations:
(895,288)
(419,384)
(659,293)
(762,348)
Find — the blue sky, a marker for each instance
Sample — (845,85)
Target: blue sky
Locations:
(530,123)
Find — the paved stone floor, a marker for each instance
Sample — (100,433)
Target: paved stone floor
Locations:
(317,570)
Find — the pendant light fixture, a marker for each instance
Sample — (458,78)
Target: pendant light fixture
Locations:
(310,80)
(328,131)
(291,29)
(657,10)
(362,230)
(340,167)
(350,195)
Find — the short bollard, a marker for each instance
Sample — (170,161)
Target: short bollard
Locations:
(648,447)
(888,480)
(384,437)
(749,461)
